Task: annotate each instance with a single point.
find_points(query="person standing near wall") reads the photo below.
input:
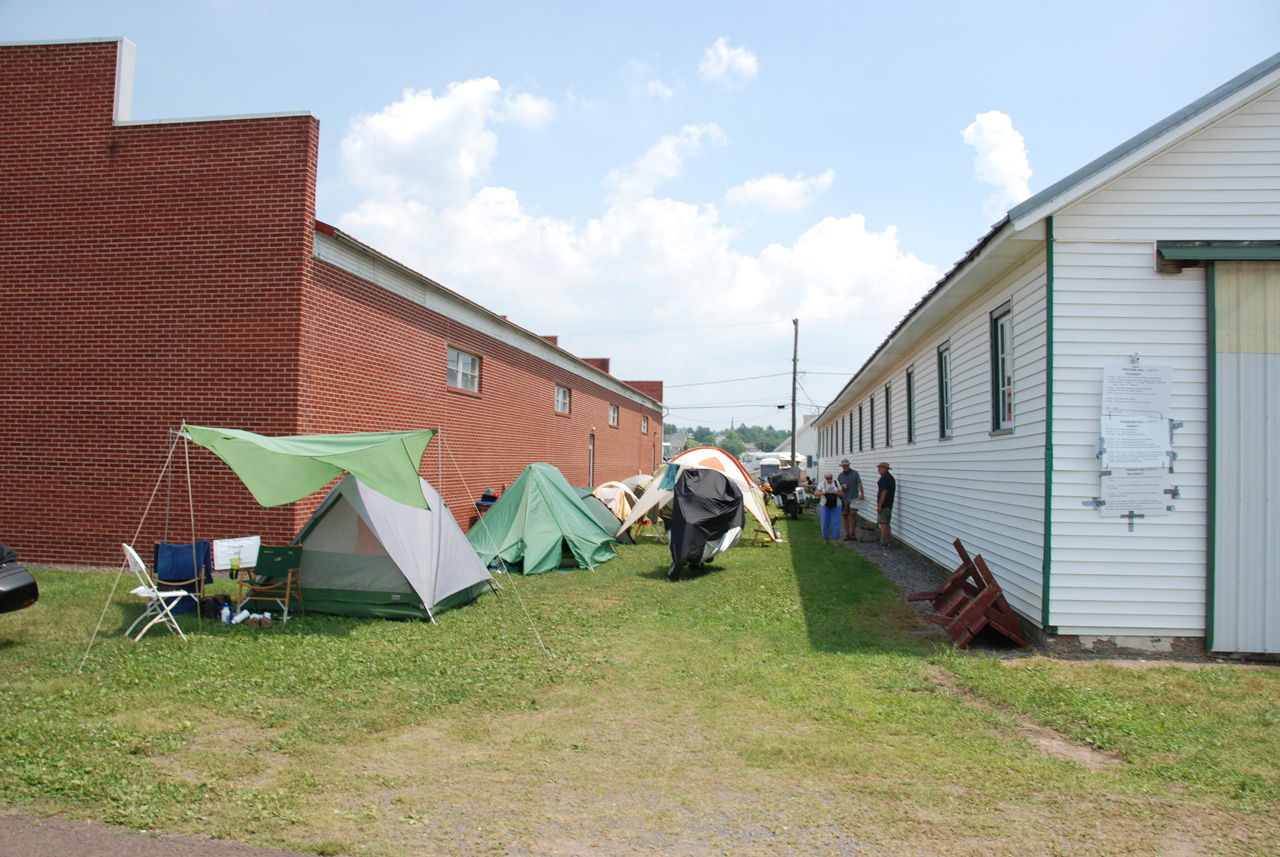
(852, 492)
(885, 489)
(828, 494)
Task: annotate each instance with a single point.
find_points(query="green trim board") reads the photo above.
(1211, 505)
(1046, 567)
(1209, 251)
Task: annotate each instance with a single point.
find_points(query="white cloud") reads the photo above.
(776, 192)
(644, 80)
(658, 285)
(664, 160)
(435, 149)
(658, 89)
(730, 66)
(1001, 160)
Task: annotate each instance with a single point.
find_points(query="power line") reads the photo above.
(726, 380)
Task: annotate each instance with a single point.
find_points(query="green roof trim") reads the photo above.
(1210, 251)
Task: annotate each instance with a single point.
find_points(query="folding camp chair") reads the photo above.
(158, 600)
(274, 578)
(188, 567)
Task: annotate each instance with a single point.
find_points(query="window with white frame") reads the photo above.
(911, 404)
(944, 390)
(613, 415)
(644, 425)
(888, 415)
(861, 433)
(464, 370)
(562, 399)
(871, 407)
(1002, 369)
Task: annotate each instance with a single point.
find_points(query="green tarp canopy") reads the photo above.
(535, 519)
(280, 470)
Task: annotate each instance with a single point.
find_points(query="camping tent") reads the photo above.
(533, 522)
(617, 496)
(280, 470)
(706, 518)
(365, 554)
(604, 517)
(660, 492)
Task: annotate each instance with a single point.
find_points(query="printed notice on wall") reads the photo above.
(1134, 440)
(1136, 491)
(1128, 388)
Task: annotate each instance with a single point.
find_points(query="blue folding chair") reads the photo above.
(188, 567)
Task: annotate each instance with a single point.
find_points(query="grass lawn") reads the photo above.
(787, 701)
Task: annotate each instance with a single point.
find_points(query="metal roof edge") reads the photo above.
(1020, 212)
(129, 123)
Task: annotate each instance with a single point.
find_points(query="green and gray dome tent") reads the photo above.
(535, 520)
(365, 554)
(382, 543)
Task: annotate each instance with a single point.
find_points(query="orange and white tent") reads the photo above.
(710, 458)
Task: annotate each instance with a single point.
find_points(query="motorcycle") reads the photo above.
(784, 484)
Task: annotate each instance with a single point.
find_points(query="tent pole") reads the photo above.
(156, 490)
(198, 574)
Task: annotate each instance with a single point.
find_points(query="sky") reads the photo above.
(670, 185)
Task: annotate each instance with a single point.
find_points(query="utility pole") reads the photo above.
(795, 358)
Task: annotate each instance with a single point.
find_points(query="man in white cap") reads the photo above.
(853, 493)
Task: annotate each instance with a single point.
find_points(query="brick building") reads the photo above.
(165, 271)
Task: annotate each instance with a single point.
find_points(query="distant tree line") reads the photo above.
(735, 440)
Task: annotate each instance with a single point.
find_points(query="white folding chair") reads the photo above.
(158, 600)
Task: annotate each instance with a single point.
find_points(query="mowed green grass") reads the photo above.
(787, 700)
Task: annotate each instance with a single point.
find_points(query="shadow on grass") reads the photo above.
(848, 605)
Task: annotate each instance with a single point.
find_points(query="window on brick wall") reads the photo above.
(613, 415)
(644, 425)
(562, 399)
(464, 370)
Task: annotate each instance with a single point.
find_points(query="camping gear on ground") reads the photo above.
(541, 524)
(273, 580)
(18, 588)
(188, 567)
(706, 519)
(784, 484)
(661, 491)
(366, 554)
(159, 602)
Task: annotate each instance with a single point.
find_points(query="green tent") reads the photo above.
(280, 470)
(535, 520)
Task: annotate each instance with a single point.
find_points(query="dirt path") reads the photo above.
(55, 837)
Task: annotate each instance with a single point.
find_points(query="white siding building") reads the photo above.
(1159, 258)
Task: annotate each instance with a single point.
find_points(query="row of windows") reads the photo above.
(463, 373)
(840, 437)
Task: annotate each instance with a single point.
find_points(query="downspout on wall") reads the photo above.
(1047, 559)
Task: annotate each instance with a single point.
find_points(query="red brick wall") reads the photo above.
(149, 274)
(375, 361)
(162, 273)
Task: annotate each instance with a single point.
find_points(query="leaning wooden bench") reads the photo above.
(969, 601)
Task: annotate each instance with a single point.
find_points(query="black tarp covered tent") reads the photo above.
(707, 517)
